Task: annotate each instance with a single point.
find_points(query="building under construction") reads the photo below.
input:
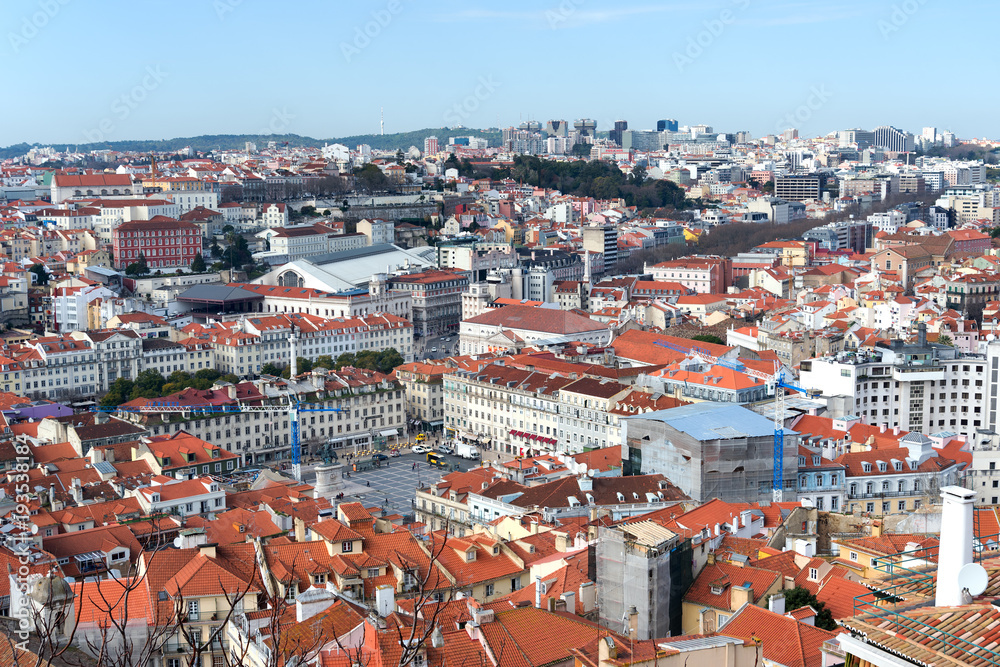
(643, 570)
(709, 450)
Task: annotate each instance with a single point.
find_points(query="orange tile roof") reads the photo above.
(784, 640)
(723, 576)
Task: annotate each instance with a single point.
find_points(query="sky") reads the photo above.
(80, 72)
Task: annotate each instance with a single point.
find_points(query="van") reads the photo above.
(436, 459)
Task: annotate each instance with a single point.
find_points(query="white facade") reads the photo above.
(187, 200)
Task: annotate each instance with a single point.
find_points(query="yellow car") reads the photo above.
(421, 437)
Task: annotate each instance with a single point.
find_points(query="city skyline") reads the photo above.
(220, 68)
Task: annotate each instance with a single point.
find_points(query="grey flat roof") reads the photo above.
(714, 421)
(218, 293)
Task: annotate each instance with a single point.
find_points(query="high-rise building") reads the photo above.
(530, 126)
(797, 188)
(669, 125)
(615, 134)
(862, 138)
(430, 145)
(557, 128)
(891, 139)
(602, 239)
(929, 134)
(586, 128)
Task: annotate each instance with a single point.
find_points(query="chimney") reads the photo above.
(895, 430)
(538, 592)
(587, 596)
(740, 595)
(876, 529)
(100, 418)
(882, 427)
(562, 542)
(312, 602)
(956, 543)
(777, 603)
(52, 496)
(633, 623)
(437, 637)
(570, 598)
(710, 560)
(385, 600)
(231, 391)
(207, 550)
(922, 334)
(607, 650)
(76, 490)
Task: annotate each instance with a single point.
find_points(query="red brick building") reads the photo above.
(165, 242)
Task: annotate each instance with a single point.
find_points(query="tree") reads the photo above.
(800, 597)
(370, 178)
(271, 368)
(709, 338)
(325, 361)
(198, 265)
(148, 384)
(638, 175)
(41, 275)
(945, 339)
(228, 229)
(139, 268)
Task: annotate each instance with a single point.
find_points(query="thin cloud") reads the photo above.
(565, 14)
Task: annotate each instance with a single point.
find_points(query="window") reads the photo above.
(489, 590)
(346, 546)
(854, 556)
(290, 592)
(470, 555)
(515, 583)
(193, 610)
(813, 573)
(901, 505)
(372, 572)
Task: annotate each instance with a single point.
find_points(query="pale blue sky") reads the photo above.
(110, 70)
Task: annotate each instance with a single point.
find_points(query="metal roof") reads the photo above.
(218, 293)
(685, 645)
(714, 421)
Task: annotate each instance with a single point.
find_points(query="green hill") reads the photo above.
(210, 142)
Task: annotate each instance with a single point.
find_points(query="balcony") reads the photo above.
(917, 373)
(883, 494)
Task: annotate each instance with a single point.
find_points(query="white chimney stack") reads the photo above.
(538, 592)
(570, 598)
(777, 603)
(956, 543)
(385, 600)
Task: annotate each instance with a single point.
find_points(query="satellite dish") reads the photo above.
(973, 577)
(177, 542)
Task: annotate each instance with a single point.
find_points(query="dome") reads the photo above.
(51, 589)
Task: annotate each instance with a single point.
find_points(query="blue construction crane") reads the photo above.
(777, 379)
(293, 409)
(778, 479)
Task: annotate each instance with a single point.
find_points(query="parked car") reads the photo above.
(421, 437)
(445, 448)
(420, 449)
(380, 457)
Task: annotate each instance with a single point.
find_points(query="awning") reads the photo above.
(388, 432)
(437, 423)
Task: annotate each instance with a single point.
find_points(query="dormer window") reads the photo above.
(898, 465)
(815, 460)
(802, 461)
(913, 465)
(881, 466)
(470, 555)
(813, 574)
(496, 549)
(866, 467)
(621, 498)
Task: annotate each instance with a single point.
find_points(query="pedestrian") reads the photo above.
(369, 483)
(414, 466)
